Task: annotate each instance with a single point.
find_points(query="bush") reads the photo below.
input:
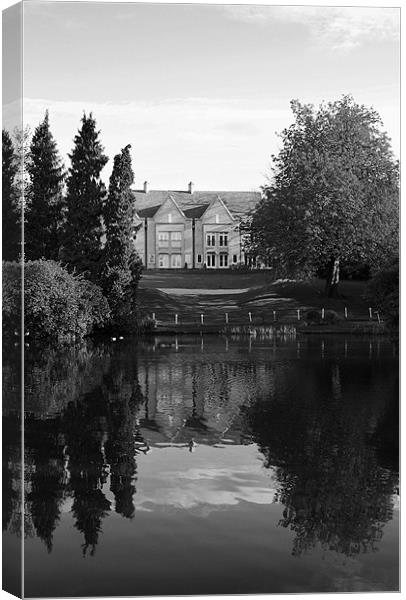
(383, 292)
(57, 304)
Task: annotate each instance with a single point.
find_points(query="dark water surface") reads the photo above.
(200, 466)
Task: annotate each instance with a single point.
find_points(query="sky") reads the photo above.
(201, 91)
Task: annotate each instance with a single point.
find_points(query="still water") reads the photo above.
(206, 465)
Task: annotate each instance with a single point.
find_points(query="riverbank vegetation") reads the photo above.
(81, 271)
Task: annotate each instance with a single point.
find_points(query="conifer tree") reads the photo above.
(122, 267)
(85, 198)
(11, 213)
(44, 211)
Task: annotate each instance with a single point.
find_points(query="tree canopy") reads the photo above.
(11, 224)
(44, 210)
(121, 264)
(333, 192)
(86, 193)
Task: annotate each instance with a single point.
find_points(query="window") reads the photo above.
(169, 217)
(163, 261)
(223, 239)
(211, 239)
(163, 238)
(211, 260)
(217, 219)
(176, 239)
(223, 260)
(187, 259)
(199, 258)
(176, 261)
(235, 258)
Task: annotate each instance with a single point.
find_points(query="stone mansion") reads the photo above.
(191, 229)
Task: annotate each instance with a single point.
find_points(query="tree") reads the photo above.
(121, 265)
(82, 248)
(44, 212)
(333, 195)
(11, 213)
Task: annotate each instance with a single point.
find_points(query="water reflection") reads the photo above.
(323, 415)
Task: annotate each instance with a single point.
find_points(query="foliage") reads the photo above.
(82, 248)
(383, 292)
(43, 214)
(121, 265)
(334, 191)
(57, 304)
(11, 227)
(22, 151)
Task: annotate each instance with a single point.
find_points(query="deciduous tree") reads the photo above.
(333, 193)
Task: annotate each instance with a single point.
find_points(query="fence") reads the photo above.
(239, 318)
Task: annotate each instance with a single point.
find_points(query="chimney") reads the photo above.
(146, 187)
(190, 187)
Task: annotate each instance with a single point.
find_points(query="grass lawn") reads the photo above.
(262, 299)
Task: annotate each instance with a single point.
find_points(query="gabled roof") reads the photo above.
(148, 212)
(194, 205)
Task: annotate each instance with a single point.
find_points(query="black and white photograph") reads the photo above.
(200, 299)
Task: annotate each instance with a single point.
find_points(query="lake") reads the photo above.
(205, 465)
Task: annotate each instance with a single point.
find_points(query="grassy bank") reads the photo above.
(251, 299)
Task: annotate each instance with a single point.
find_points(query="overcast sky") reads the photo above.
(200, 90)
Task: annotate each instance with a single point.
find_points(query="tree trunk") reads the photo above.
(333, 278)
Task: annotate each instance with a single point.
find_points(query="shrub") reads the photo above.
(57, 304)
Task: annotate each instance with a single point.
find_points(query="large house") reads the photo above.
(191, 229)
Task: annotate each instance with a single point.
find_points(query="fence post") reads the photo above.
(322, 314)
(227, 318)
(274, 315)
(345, 312)
(377, 314)
(176, 319)
(202, 318)
(370, 312)
(298, 314)
(250, 317)
(153, 316)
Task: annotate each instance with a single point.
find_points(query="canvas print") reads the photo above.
(200, 299)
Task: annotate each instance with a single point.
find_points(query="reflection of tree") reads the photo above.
(84, 429)
(334, 490)
(46, 490)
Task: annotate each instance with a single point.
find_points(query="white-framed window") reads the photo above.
(217, 219)
(163, 261)
(223, 260)
(176, 261)
(211, 239)
(223, 239)
(211, 260)
(163, 238)
(169, 217)
(176, 239)
(199, 258)
(235, 258)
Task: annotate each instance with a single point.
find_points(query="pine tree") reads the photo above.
(44, 211)
(122, 266)
(85, 198)
(11, 213)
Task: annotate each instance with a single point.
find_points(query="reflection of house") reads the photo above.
(194, 229)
